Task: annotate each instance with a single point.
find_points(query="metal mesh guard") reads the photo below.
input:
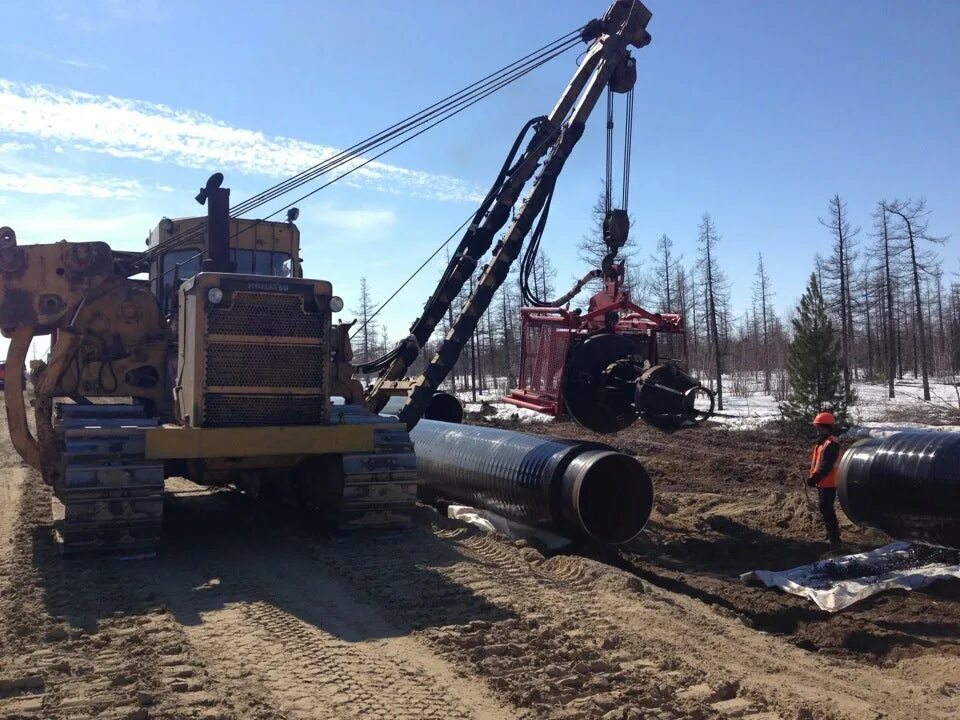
(262, 365)
(545, 350)
(272, 314)
(223, 410)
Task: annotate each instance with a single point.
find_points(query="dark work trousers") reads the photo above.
(828, 497)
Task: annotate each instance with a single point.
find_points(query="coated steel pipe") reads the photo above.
(567, 485)
(444, 407)
(907, 485)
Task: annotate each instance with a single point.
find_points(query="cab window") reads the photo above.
(262, 262)
(177, 266)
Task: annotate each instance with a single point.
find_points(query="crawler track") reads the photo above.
(111, 497)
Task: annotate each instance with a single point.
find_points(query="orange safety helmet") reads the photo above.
(825, 418)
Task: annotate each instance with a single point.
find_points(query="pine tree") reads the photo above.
(815, 363)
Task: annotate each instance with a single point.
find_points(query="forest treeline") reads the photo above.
(894, 306)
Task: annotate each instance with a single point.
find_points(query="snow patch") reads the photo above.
(874, 414)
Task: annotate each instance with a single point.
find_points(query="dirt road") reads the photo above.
(247, 615)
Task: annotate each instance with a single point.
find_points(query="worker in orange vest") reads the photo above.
(823, 472)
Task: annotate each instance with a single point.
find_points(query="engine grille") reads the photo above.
(264, 365)
(222, 410)
(267, 370)
(271, 314)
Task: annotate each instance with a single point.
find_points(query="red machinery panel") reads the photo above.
(548, 334)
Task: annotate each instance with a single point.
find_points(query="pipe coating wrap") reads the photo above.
(907, 485)
(566, 485)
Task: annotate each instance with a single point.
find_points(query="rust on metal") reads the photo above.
(13, 388)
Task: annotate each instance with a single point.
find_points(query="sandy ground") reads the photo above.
(249, 614)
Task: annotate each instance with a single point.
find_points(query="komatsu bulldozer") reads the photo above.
(209, 355)
(220, 377)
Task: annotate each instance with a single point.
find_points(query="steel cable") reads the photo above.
(445, 109)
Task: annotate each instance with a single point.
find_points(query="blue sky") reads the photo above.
(113, 113)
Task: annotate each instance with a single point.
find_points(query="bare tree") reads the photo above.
(942, 338)
(887, 252)
(865, 286)
(839, 270)
(664, 270)
(544, 274)
(714, 289)
(368, 325)
(913, 217)
(762, 295)
(508, 328)
(818, 264)
(696, 362)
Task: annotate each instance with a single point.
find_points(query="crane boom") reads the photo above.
(622, 26)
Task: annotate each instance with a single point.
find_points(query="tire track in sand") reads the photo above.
(532, 637)
(78, 638)
(263, 614)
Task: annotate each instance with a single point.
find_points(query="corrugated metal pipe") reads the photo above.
(907, 485)
(574, 487)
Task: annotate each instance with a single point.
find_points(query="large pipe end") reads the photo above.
(607, 495)
(905, 485)
(445, 408)
(850, 473)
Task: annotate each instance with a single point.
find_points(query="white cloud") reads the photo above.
(71, 185)
(49, 57)
(86, 65)
(136, 129)
(14, 147)
(356, 222)
(49, 218)
(90, 15)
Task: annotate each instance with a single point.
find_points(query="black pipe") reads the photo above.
(906, 485)
(567, 485)
(443, 407)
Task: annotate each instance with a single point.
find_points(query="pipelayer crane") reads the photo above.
(221, 366)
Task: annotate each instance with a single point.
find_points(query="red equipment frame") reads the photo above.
(547, 334)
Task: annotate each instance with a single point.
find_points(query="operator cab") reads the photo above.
(256, 248)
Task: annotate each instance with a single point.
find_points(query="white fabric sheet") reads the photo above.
(839, 582)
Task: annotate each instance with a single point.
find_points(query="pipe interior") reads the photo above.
(615, 496)
(445, 408)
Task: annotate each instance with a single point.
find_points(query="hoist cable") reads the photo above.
(627, 149)
(407, 122)
(384, 152)
(608, 178)
(375, 364)
(446, 108)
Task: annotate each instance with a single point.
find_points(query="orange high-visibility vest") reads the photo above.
(830, 479)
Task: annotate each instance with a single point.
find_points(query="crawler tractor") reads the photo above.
(222, 374)
(222, 365)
